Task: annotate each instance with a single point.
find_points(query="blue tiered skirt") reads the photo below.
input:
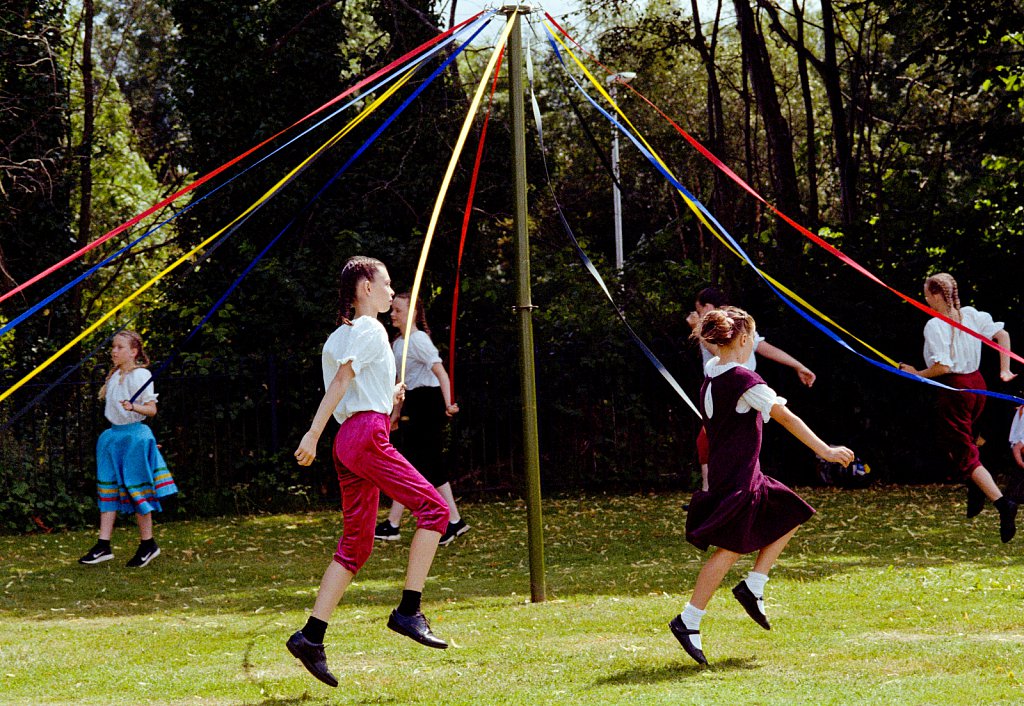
(131, 474)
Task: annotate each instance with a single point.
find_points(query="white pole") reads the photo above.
(613, 81)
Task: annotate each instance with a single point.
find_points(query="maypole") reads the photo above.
(524, 308)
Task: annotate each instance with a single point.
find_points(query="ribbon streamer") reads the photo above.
(589, 265)
(173, 197)
(463, 133)
(9, 326)
(366, 145)
(706, 216)
(817, 240)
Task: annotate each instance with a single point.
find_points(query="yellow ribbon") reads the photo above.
(700, 215)
(267, 195)
(463, 134)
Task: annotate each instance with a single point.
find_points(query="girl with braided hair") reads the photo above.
(359, 377)
(742, 511)
(953, 358)
(131, 474)
(421, 417)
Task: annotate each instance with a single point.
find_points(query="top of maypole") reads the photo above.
(521, 8)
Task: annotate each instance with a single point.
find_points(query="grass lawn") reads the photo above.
(887, 596)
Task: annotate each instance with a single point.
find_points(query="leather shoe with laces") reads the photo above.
(415, 626)
(682, 633)
(750, 603)
(313, 658)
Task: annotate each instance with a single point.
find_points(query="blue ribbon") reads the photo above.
(9, 326)
(792, 305)
(366, 145)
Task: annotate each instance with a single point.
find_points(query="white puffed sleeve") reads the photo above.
(367, 344)
(422, 349)
(138, 378)
(759, 397)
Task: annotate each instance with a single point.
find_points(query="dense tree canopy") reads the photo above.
(891, 128)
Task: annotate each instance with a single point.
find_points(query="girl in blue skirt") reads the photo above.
(742, 511)
(131, 474)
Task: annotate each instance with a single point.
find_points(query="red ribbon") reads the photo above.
(465, 226)
(202, 180)
(799, 228)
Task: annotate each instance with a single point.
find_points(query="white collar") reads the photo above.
(714, 367)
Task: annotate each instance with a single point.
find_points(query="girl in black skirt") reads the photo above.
(743, 510)
(421, 418)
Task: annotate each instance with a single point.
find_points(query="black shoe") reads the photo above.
(750, 602)
(975, 500)
(682, 634)
(416, 627)
(143, 557)
(455, 529)
(387, 531)
(97, 555)
(1007, 519)
(312, 657)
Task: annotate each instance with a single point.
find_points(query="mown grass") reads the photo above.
(888, 596)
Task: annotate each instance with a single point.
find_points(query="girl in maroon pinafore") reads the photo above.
(743, 510)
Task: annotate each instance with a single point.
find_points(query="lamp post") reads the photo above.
(613, 81)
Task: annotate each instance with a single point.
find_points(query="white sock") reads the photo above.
(756, 582)
(691, 619)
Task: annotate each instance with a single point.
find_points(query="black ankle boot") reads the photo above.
(1007, 518)
(975, 500)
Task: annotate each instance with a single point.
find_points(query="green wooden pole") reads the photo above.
(524, 309)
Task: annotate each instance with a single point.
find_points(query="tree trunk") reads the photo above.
(840, 131)
(777, 132)
(811, 140)
(723, 196)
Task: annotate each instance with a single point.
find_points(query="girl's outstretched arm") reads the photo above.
(775, 353)
(306, 452)
(796, 426)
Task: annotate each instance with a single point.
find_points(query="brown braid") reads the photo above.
(944, 284)
(421, 316)
(719, 327)
(356, 269)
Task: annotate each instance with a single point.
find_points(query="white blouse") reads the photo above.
(1017, 427)
(964, 355)
(365, 345)
(750, 365)
(121, 386)
(423, 356)
(759, 397)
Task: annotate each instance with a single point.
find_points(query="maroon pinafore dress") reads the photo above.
(743, 510)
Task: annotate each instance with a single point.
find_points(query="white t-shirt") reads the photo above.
(1017, 427)
(964, 356)
(750, 365)
(122, 387)
(423, 356)
(365, 345)
(759, 397)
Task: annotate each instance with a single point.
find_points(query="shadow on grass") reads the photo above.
(653, 674)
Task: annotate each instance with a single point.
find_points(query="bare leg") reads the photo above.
(145, 523)
(446, 493)
(395, 514)
(421, 556)
(107, 524)
(332, 587)
(704, 477)
(983, 479)
(711, 575)
(766, 557)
